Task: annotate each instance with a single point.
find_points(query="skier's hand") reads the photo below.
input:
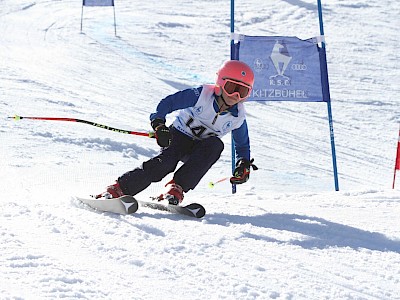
(242, 171)
(163, 136)
(162, 133)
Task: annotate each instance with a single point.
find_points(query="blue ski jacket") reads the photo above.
(199, 117)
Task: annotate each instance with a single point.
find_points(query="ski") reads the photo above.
(124, 205)
(192, 210)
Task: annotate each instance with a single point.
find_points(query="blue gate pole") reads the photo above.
(232, 57)
(335, 172)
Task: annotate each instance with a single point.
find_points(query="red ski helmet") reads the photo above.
(236, 71)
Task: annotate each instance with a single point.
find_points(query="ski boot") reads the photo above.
(112, 191)
(174, 195)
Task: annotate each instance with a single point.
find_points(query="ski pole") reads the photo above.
(148, 134)
(212, 184)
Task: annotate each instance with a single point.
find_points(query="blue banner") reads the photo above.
(285, 68)
(98, 2)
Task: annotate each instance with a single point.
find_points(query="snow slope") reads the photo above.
(286, 234)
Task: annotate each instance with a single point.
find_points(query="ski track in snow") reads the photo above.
(286, 234)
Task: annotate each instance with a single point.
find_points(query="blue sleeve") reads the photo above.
(179, 100)
(242, 141)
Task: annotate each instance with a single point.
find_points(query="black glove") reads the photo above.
(242, 171)
(162, 133)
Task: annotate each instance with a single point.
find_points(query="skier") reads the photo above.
(206, 114)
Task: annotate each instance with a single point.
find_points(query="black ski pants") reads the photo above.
(197, 156)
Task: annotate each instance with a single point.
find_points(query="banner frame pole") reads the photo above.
(115, 22)
(233, 151)
(329, 106)
(82, 16)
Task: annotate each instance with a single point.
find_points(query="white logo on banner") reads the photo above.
(299, 67)
(259, 65)
(280, 58)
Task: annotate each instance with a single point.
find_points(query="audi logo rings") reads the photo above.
(299, 67)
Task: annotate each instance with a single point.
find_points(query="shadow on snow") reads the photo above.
(321, 233)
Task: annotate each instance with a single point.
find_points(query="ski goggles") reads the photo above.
(232, 87)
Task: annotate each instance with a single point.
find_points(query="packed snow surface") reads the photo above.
(285, 234)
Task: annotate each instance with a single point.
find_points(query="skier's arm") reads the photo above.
(242, 142)
(179, 100)
(243, 163)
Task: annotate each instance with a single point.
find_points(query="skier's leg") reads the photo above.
(157, 168)
(205, 153)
